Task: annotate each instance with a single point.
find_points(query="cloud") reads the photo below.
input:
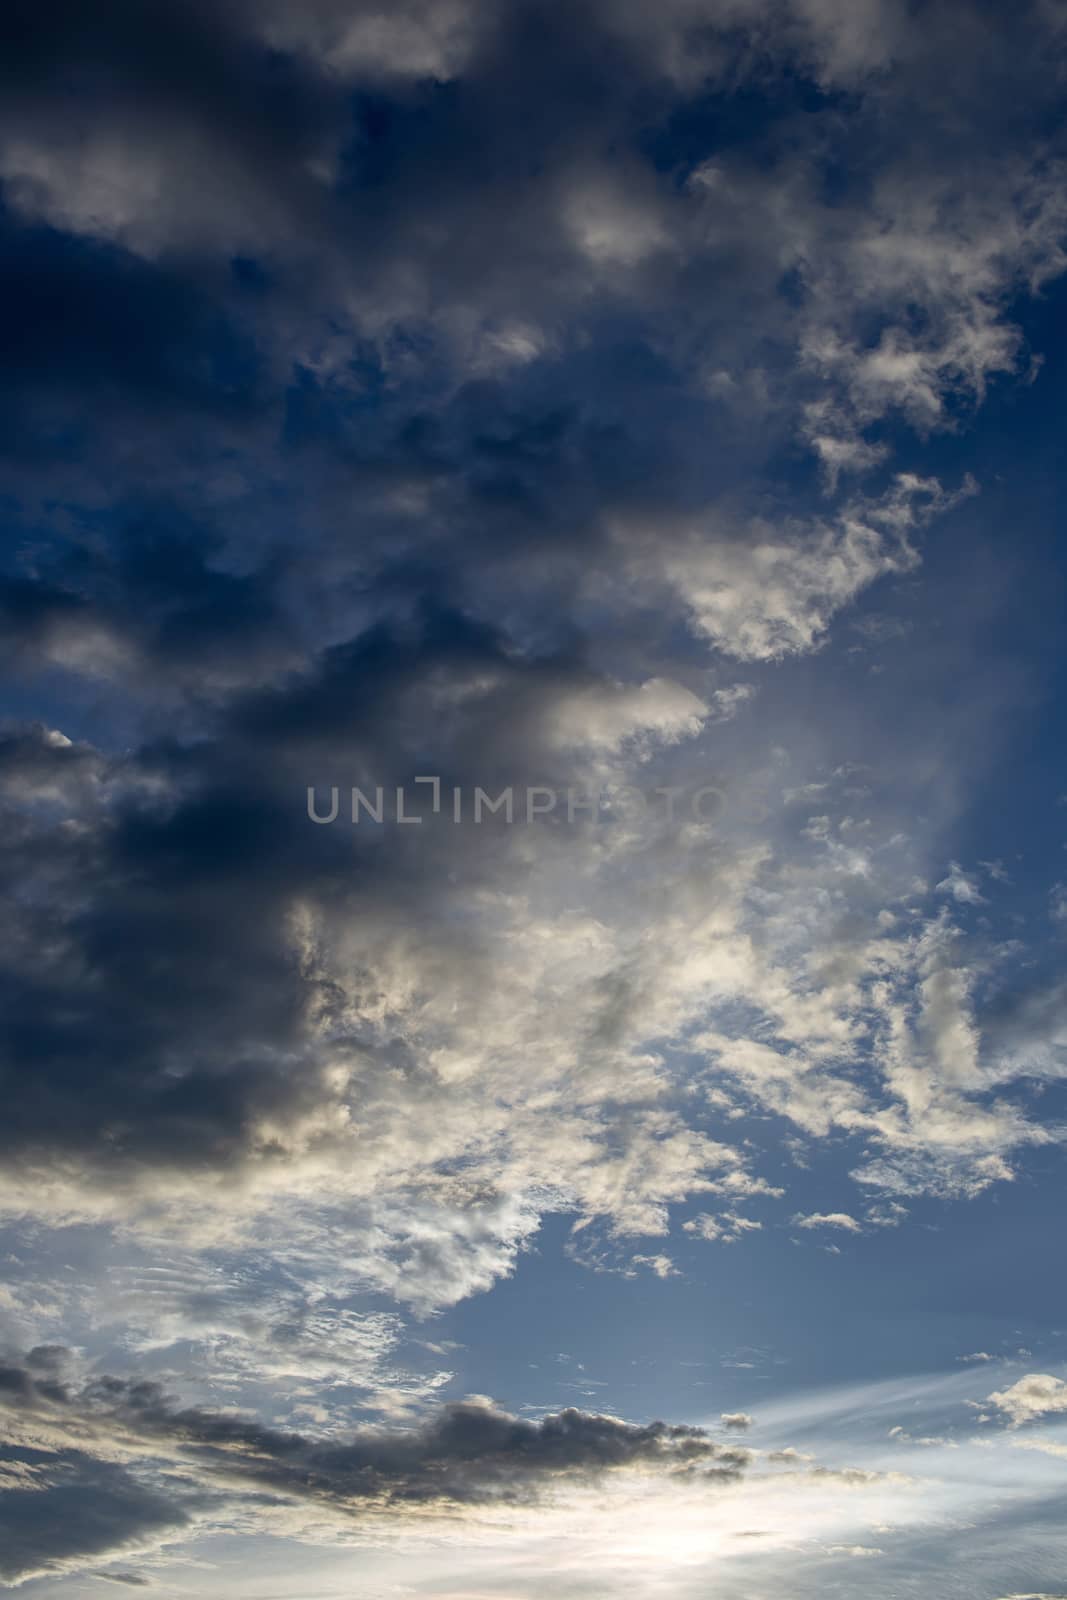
(728, 1227)
(828, 1219)
(960, 886)
(466, 1467)
(1036, 1395)
(110, 1497)
(661, 1265)
(70, 1507)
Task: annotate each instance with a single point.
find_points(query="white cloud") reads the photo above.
(1036, 1395)
(960, 886)
(828, 1219)
(726, 1228)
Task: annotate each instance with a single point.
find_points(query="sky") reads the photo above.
(534, 1059)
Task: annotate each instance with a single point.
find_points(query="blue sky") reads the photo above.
(624, 445)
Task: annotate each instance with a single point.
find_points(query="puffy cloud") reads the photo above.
(960, 886)
(828, 1219)
(1037, 1395)
(728, 1227)
(607, 715)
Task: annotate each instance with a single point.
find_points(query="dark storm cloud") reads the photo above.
(144, 1466)
(148, 612)
(77, 315)
(469, 1452)
(411, 154)
(412, 164)
(156, 1009)
(486, 422)
(146, 931)
(194, 61)
(76, 1508)
(466, 196)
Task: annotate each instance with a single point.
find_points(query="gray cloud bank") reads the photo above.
(147, 1467)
